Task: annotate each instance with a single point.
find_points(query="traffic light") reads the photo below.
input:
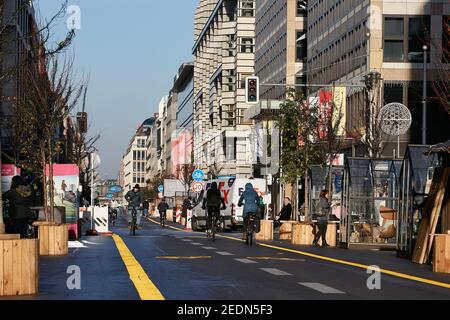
(252, 90)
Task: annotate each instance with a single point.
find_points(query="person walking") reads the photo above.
(250, 200)
(19, 197)
(135, 201)
(146, 207)
(187, 205)
(322, 219)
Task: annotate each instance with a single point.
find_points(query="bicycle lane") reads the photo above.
(324, 271)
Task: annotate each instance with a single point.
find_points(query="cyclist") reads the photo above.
(162, 208)
(135, 201)
(250, 200)
(212, 203)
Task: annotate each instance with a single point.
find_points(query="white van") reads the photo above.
(231, 189)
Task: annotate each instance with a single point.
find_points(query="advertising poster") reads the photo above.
(8, 172)
(66, 182)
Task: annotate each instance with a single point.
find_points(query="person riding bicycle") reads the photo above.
(162, 208)
(250, 200)
(135, 201)
(212, 203)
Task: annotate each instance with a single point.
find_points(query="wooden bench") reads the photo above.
(286, 229)
(303, 234)
(53, 239)
(441, 259)
(266, 232)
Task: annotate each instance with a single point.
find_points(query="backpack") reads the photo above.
(213, 198)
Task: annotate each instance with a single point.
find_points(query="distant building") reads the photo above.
(152, 159)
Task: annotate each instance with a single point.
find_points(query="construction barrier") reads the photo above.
(189, 220)
(101, 219)
(178, 216)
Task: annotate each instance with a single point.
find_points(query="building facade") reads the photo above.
(224, 53)
(349, 40)
(152, 161)
(17, 50)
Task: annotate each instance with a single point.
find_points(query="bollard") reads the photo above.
(189, 221)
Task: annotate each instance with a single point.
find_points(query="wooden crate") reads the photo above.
(266, 232)
(54, 240)
(286, 230)
(19, 267)
(303, 234)
(441, 259)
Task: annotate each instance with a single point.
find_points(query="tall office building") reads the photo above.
(347, 40)
(280, 45)
(224, 57)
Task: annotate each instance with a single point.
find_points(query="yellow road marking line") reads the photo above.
(276, 259)
(185, 258)
(348, 263)
(144, 286)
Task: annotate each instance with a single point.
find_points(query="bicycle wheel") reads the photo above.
(213, 229)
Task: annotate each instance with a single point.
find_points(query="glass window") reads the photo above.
(393, 50)
(393, 27)
(446, 39)
(418, 36)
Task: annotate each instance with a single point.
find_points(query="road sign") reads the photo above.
(161, 189)
(198, 175)
(109, 196)
(197, 187)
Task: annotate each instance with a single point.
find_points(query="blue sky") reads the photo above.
(131, 50)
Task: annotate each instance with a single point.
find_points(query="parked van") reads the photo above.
(231, 189)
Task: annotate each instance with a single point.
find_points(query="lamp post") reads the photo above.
(424, 98)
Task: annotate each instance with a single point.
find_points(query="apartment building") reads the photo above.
(162, 133)
(349, 39)
(134, 161)
(152, 161)
(224, 52)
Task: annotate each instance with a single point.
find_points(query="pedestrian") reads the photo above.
(63, 190)
(187, 205)
(250, 200)
(212, 203)
(135, 201)
(19, 197)
(323, 216)
(146, 207)
(285, 213)
(162, 208)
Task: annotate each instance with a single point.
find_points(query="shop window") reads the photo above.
(446, 39)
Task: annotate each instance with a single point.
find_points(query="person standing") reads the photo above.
(322, 219)
(19, 206)
(63, 190)
(187, 205)
(135, 201)
(145, 207)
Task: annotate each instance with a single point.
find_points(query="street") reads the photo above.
(179, 265)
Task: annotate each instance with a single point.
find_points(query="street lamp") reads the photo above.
(424, 98)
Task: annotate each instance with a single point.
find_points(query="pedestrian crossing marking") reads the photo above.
(144, 286)
(276, 272)
(321, 288)
(276, 259)
(184, 258)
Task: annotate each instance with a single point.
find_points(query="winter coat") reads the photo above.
(163, 207)
(19, 203)
(250, 200)
(186, 206)
(324, 210)
(286, 213)
(134, 198)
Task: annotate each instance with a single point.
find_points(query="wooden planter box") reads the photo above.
(303, 234)
(19, 267)
(266, 232)
(441, 259)
(169, 215)
(286, 230)
(53, 239)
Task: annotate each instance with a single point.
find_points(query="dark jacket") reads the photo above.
(213, 197)
(187, 205)
(286, 213)
(324, 209)
(134, 198)
(146, 205)
(19, 203)
(163, 206)
(250, 200)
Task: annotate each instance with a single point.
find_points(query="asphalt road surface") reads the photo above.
(172, 264)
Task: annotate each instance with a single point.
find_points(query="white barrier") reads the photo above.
(101, 219)
(189, 220)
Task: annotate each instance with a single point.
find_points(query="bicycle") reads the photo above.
(32, 231)
(113, 217)
(162, 219)
(133, 223)
(251, 226)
